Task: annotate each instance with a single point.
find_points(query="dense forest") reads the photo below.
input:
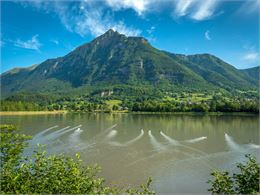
(143, 101)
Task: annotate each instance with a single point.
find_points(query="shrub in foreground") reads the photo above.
(49, 174)
(246, 181)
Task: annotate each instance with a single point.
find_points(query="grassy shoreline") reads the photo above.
(7, 113)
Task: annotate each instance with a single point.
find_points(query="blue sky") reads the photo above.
(36, 30)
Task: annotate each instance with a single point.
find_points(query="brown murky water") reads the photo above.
(177, 151)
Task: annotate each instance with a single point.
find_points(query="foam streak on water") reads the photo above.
(155, 143)
(254, 146)
(170, 140)
(136, 138)
(58, 134)
(112, 134)
(177, 143)
(103, 132)
(232, 144)
(54, 135)
(60, 130)
(45, 131)
(129, 142)
(195, 140)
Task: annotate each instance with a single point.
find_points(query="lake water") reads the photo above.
(177, 151)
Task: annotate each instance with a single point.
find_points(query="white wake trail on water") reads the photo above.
(73, 143)
(232, 144)
(136, 138)
(177, 143)
(58, 131)
(94, 140)
(155, 143)
(111, 134)
(74, 140)
(41, 138)
(61, 132)
(45, 131)
(103, 132)
(170, 140)
(129, 142)
(53, 137)
(78, 131)
(107, 130)
(195, 140)
(254, 146)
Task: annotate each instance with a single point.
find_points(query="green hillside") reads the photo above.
(253, 73)
(124, 64)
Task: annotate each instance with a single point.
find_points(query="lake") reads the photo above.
(177, 150)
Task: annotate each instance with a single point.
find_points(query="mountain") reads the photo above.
(115, 59)
(216, 71)
(253, 73)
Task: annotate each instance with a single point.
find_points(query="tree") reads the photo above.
(115, 107)
(12, 145)
(244, 182)
(53, 174)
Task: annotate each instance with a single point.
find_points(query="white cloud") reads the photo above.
(84, 17)
(251, 56)
(181, 7)
(195, 9)
(138, 5)
(96, 16)
(97, 23)
(207, 36)
(206, 9)
(32, 43)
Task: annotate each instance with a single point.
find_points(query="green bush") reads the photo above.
(244, 182)
(49, 174)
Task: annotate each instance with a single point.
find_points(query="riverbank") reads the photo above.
(10, 113)
(169, 113)
(7, 113)
(199, 113)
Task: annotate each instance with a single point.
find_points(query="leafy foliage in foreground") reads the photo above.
(11, 145)
(244, 182)
(53, 174)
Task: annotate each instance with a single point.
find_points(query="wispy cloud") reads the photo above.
(195, 9)
(182, 7)
(206, 9)
(96, 16)
(249, 7)
(253, 56)
(207, 35)
(87, 17)
(32, 43)
(96, 21)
